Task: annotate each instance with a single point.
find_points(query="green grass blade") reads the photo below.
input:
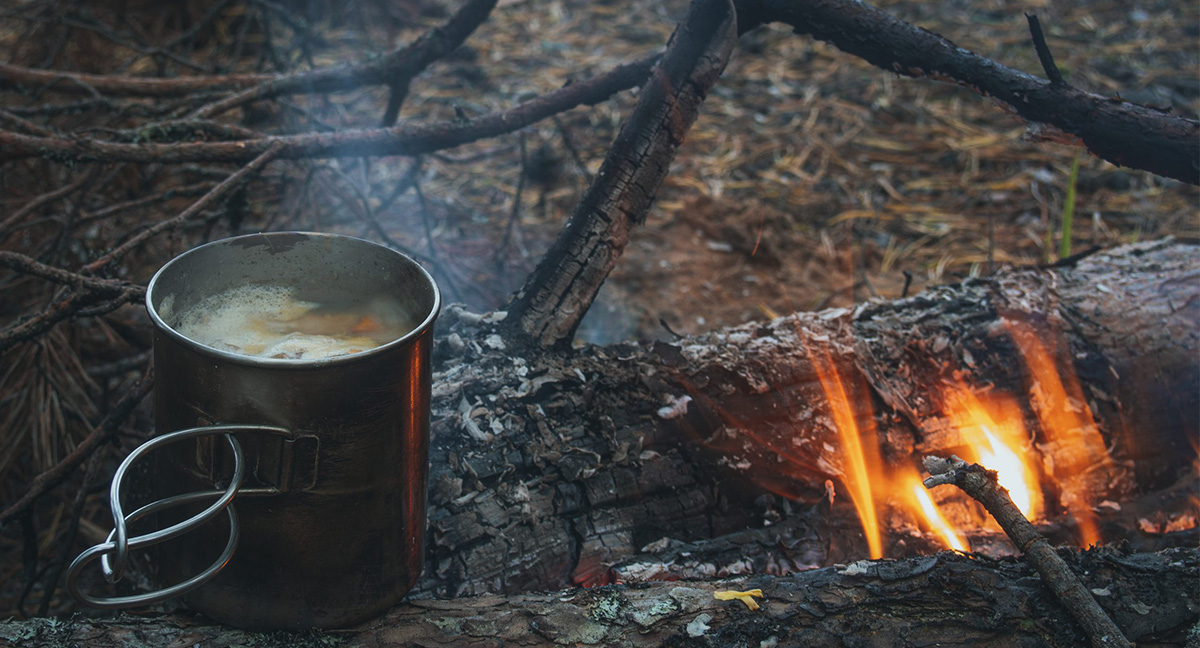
(1068, 215)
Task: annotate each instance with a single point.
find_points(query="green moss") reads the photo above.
(607, 608)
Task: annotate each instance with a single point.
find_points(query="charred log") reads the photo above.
(947, 600)
(548, 469)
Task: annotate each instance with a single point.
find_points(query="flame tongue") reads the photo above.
(995, 438)
(1075, 442)
(861, 460)
(944, 530)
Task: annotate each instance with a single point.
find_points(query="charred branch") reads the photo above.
(1115, 130)
(548, 309)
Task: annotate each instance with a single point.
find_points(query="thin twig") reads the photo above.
(45, 198)
(396, 68)
(66, 545)
(229, 184)
(398, 140)
(981, 484)
(30, 266)
(1043, 50)
(515, 214)
(17, 122)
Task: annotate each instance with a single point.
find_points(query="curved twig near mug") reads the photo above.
(325, 458)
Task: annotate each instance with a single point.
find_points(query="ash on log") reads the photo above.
(548, 469)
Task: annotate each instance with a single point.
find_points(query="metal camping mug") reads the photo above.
(324, 460)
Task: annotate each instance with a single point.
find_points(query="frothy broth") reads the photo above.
(270, 322)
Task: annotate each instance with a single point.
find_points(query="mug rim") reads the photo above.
(420, 329)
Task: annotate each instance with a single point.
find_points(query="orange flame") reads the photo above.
(1067, 424)
(933, 517)
(996, 439)
(861, 460)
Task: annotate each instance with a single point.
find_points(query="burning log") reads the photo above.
(982, 485)
(549, 470)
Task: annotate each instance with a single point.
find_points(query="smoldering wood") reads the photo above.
(983, 485)
(945, 599)
(548, 468)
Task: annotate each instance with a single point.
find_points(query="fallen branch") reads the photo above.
(1112, 129)
(390, 68)
(557, 294)
(397, 140)
(982, 485)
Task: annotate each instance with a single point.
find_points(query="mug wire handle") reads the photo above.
(114, 551)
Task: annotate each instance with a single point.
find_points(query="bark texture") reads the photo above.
(547, 469)
(1113, 129)
(944, 600)
(548, 309)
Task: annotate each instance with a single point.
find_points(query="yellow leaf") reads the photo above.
(746, 597)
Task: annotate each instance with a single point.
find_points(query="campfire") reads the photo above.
(1005, 455)
(1041, 440)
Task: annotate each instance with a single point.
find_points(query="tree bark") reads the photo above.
(1112, 129)
(945, 600)
(547, 469)
(557, 294)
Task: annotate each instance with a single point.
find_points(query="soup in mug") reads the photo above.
(270, 322)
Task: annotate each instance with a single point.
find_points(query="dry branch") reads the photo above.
(1112, 129)
(396, 68)
(397, 140)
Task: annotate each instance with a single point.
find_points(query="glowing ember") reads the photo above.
(998, 442)
(860, 461)
(1067, 425)
(933, 517)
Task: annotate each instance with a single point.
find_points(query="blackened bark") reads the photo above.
(555, 297)
(944, 600)
(1115, 130)
(550, 468)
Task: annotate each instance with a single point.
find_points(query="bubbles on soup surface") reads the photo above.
(270, 322)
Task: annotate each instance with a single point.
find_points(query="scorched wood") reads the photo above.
(550, 468)
(943, 600)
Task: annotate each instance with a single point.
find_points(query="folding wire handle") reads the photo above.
(114, 551)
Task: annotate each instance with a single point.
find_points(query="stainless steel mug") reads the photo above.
(291, 492)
